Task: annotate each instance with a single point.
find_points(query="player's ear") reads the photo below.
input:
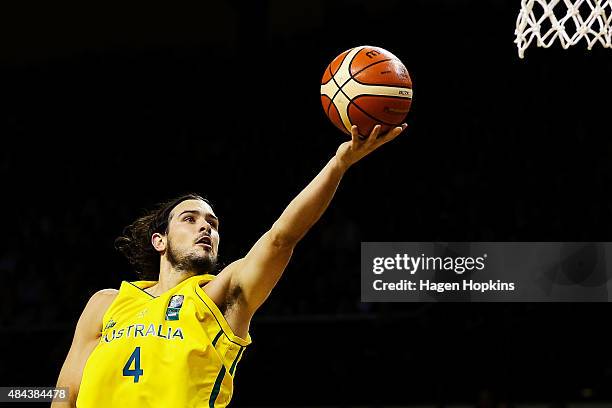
(159, 242)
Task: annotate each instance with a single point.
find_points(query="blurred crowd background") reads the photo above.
(110, 109)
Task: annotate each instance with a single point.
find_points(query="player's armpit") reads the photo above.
(86, 336)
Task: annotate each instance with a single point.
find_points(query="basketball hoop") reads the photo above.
(587, 20)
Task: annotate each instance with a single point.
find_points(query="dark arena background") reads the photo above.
(110, 108)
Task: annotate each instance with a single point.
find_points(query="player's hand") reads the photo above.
(351, 152)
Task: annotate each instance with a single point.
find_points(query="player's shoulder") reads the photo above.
(102, 298)
(107, 292)
(90, 322)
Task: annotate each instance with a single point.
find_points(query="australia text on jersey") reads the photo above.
(139, 330)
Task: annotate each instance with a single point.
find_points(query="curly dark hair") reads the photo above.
(135, 242)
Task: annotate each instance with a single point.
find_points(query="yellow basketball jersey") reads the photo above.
(175, 350)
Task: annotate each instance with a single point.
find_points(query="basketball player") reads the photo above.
(175, 338)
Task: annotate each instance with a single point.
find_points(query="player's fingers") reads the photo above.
(374, 134)
(355, 134)
(398, 130)
(393, 133)
(390, 135)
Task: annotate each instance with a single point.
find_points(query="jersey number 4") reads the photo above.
(137, 371)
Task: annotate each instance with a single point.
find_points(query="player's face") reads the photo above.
(193, 236)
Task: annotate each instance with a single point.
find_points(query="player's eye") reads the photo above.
(189, 219)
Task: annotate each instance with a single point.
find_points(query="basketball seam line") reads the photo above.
(339, 89)
(366, 113)
(382, 96)
(350, 77)
(362, 69)
(388, 86)
(348, 113)
(332, 99)
(333, 76)
(329, 66)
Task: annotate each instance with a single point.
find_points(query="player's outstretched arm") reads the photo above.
(86, 336)
(257, 273)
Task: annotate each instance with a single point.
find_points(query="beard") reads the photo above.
(191, 262)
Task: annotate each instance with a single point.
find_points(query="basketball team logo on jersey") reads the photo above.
(174, 306)
(111, 323)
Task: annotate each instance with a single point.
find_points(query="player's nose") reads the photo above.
(205, 227)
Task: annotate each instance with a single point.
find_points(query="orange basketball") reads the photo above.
(366, 86)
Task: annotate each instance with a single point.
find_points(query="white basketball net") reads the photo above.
(570, 21)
